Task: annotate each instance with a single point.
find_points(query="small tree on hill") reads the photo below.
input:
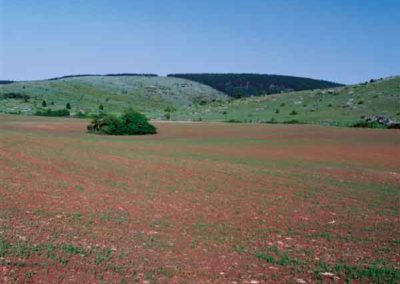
(101, 107)
(44, 104)
(68, 106)
(168, 110)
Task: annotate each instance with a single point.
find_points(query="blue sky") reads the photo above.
(346, 41)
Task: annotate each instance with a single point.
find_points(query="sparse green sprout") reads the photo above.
(266, 257)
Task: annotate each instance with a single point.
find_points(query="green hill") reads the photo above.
(193, 101)
(337, 106)
(245, 85)
(147, 94)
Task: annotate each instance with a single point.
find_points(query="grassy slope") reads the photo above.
(339, 106)
(147, 94)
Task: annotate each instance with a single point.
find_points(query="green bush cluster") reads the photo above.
(16, 96)
(129, 123)
(50, 112)
(81, 114)
(375, 124)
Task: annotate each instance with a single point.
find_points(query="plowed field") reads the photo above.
(198, 203)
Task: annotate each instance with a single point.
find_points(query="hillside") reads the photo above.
(193, 101)
(245, 85)
(338, 106)
(147, 94)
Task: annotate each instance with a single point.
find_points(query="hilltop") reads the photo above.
(85, 93)
(335, 106)
(245, 85)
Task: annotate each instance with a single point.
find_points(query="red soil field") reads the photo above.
(198, 203)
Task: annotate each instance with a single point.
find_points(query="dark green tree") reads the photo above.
(168, 110)
(129, 123)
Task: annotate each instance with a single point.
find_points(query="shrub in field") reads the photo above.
(81, 114)
(376, 124)
(367, 124)
(16, 96)
(292, 121)
(44, 104)
(49, 112)
(68, 106)
(293, 112)
(395, 125)
(129, 123)
(377, 121)
(136, 123)
(233, 120)
(106, 124)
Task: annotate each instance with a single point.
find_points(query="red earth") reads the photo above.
(198, 202)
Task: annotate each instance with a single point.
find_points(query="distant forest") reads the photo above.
(245, 85)
(106, 75)
(3, 82)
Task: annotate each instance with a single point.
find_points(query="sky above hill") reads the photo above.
(346, 41)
